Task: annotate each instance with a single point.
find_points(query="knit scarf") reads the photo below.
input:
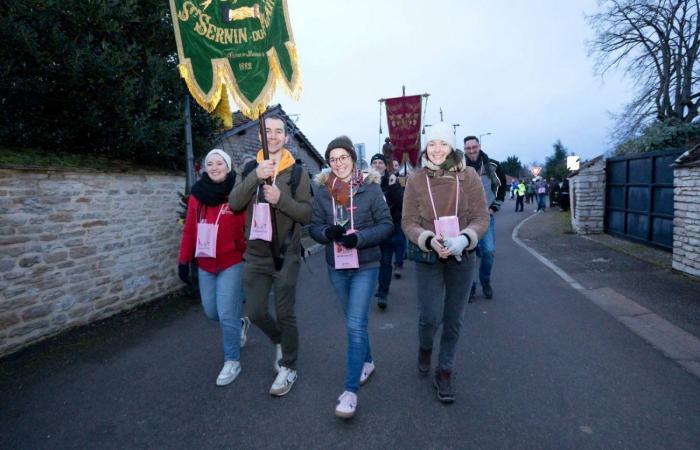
(453, 163)
(211, 193)
(286, 161)
(341, 190)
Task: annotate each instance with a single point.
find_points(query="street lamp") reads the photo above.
(454, 126)
(484, 134)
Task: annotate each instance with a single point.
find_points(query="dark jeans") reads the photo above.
(443, 290)
(259, 277)
(541, 202)
(519, 203)
(392, 248)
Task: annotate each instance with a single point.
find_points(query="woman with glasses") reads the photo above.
(351, 217)
(444, 216)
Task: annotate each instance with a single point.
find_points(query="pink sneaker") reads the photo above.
(347, 403)
(367, 370)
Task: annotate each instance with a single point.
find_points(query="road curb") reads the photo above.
(671, 340)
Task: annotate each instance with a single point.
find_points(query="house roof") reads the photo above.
(586, 164)
(242, 123)
(689, 158)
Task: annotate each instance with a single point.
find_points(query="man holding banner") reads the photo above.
(287, 201)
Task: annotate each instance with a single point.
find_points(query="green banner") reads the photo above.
(241, 46)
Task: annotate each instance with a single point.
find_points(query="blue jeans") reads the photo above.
(442, 291)
(354, 288)
(221, 300)
(541, 202)
(485, 250)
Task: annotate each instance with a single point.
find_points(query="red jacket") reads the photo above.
(230, 238)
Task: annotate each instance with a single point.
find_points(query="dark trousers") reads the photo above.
(392, 247)
(442, 291)
(259, 278)
(519, 203)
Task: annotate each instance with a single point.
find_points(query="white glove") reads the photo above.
(456, 245)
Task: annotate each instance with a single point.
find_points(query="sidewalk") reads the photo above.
(636, 277)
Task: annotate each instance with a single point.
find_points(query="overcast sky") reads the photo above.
(518, 70)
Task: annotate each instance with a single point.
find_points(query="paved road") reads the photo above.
(538, 367)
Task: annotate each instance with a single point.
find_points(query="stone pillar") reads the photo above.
(587, 190)
(686, 212)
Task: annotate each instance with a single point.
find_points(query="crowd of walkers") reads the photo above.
(243, 229)
(537, 191)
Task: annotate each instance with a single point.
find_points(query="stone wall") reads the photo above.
(80, 246)
(587, 189)
(686, 217)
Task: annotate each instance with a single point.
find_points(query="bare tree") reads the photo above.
(657, 43)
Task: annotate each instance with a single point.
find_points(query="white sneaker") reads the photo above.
(347, 403)
(284, 381)
(278, 357)
(367, 370)
(245, 325)
(228, 373)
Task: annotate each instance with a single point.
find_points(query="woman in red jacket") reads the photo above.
(213, 234)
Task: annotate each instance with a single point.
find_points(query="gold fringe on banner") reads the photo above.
(216, 100)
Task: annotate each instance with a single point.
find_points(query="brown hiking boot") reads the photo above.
(424, 356)
(443, 384)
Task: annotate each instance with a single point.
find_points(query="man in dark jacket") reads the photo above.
(494, 182)
(263, 271)
(393, 193)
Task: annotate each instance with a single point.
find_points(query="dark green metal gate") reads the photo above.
(639, 197)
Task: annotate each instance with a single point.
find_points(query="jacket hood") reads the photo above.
(372, 176)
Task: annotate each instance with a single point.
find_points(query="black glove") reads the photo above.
(183, 271)
(348, 240)
(334, 232)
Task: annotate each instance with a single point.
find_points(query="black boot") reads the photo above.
(443, 384)
(424, 356)
(472, 294)
(486, 288)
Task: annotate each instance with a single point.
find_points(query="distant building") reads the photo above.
(242, 140)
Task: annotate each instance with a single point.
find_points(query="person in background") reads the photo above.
(364, 221)
(564, 195)
(520, 191)
(494, 182)
(443, 190)
(553, 192)
(530, 193)
(219, 264)
(541, 187)
(393, 193)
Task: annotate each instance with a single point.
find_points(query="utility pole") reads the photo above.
(454, 126)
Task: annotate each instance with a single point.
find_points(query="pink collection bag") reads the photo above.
(445, 226)
(261, 223)
(206, 237)
(345, 258)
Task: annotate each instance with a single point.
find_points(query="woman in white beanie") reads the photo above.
(444, 216)
(213, 235)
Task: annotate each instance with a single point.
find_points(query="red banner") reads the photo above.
(403, 116)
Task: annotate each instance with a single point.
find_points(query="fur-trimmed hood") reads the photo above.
(372, 176)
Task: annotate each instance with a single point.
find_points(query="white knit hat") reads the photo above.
(223, 154)
(440, 131)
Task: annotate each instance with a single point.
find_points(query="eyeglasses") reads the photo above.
(339, 159)
(471, 147)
